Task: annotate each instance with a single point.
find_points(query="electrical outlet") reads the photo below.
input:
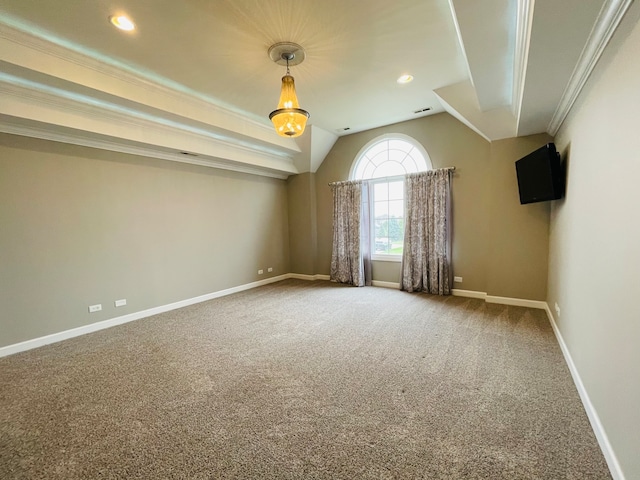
(270, 269)
(457, 279)
(260, 272)
(95, 308)
(557, 309)
(120, 303)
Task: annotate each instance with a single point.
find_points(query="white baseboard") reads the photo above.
(596, 425)
(456, 292)
(378, 283)
(302, 276)
(112, 322)
(518, 302)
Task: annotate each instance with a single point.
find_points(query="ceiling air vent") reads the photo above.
(422, 110)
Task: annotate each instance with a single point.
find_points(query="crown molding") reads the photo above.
(40, 94)
(524, 22)
(32, 109)
(603, 29)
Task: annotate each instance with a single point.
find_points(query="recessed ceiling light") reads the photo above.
(122, 22)
(405, 78)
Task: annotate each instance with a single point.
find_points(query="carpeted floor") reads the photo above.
(302, 380)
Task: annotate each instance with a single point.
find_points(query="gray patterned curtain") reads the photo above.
(426, 257)
(349, 229)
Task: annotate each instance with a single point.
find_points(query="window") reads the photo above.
(384, 161)
(388, 217)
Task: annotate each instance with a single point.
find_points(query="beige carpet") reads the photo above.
(302, 380)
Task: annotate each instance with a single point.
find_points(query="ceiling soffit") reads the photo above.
(44, 83)
(555, 47)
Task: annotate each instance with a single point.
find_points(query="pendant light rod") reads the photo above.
(288, 56)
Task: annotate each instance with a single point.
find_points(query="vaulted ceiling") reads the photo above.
(194, 83)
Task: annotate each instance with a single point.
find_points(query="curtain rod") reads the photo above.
(397, 176)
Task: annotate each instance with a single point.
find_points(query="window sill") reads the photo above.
(387, 258)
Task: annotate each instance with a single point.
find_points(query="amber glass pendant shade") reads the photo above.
(289, 119)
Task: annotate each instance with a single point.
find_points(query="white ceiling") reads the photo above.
(195, 76)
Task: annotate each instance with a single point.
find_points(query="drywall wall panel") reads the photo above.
(82, 226)
(595, 242)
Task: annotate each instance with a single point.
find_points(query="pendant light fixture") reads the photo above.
(289, 119)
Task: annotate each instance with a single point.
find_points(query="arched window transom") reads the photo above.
(390, 156)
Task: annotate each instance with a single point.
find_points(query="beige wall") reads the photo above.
(499, 246)
(518, 234)
(302, 223)
(82, 226)
(595, 242)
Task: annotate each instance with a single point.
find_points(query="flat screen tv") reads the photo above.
(540, 175)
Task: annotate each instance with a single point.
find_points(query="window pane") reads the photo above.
(396, 235)
(397, 155)
(396, 230)
(396, 209)
(419, 159)
(381, 235)
(379, 158)
(374, 150)
(368, 170)
(389, 169)
(381, 245)
(380, 191)
(402, 145)
(410, 165)
(359, 173)
(396, 190)
(381, 209)
(381, 227)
